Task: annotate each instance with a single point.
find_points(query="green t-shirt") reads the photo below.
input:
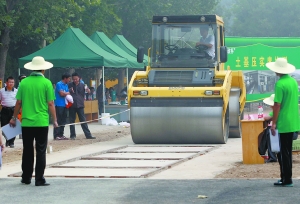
(286, 93)
(35, 92)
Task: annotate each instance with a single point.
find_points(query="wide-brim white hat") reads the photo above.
(270, 100)
(38, 63)
(281, 66)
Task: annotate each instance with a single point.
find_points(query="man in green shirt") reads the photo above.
(35, 96)
(285, 116)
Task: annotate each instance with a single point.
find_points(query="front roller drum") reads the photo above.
(158, 121)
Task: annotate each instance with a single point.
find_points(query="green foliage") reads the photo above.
(268, 18)
(137, 15)
(30, 22)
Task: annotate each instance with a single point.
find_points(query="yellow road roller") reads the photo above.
(184, 95)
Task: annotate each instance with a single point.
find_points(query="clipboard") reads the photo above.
(11, 132)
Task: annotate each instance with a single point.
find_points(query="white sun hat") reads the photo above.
(270, 100)
(38, 63)
(281, 66)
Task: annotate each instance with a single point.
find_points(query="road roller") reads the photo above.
(185, 95)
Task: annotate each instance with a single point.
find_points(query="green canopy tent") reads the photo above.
(74, 49)
(105, 43)
(121, 41)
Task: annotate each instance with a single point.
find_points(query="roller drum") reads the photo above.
(234, 113)
(158, 122)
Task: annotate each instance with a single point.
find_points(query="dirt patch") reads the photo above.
(267, 170)
(15, 154)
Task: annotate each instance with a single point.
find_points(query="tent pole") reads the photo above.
(127, 78)
(19, 71)
(127, 88)
(103, 87)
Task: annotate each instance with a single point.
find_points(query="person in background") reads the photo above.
(54, 86)
(21, 77)
(80, 80)
(107, 96)
(36, 97)
(99, 96)
(61, 91)
(270, 101)
(91, 94)
(77, 92)
(285, 116)
(8, 101)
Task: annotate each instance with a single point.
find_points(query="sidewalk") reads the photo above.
(68, 154)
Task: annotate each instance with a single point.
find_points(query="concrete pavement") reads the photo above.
(180, 184)
(131, 191)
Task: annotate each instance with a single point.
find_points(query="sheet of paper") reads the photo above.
(275, 143)
(0, 157)
(11, 132)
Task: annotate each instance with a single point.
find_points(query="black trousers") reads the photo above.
(81, 116)
(6, 115)
(61, 115)
(100, 107)
(285, 157)
(40, 135)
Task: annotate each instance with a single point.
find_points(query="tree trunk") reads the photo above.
(121, 76)
(4, 40)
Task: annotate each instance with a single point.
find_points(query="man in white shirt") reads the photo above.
(8, 102)
(207, 41)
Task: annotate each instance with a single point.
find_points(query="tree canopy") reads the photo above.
(268, 18)
(26, 26)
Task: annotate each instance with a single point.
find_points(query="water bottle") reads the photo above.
(260, 114)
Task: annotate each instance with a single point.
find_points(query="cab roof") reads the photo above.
(187, 19)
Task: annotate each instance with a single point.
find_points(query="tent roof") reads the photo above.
(121, 41)
(74, 49)
(269, 41)
(105, 43)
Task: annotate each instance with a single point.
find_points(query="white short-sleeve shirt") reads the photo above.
(8, 98)
(210, 39)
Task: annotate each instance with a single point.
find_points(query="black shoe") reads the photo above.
(278, 183)
(12, 145)
(271, 160)
(91, 137)
(42, 184)
(25, 181)
(72, 138)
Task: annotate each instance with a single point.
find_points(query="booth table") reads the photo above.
(250, 131)
(90, 110)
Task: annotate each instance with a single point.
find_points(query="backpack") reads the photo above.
(263, 141)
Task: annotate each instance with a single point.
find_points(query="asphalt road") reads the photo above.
(111, 191)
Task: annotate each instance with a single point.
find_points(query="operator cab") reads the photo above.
(187, 42)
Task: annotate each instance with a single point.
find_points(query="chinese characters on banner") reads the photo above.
(246, 62)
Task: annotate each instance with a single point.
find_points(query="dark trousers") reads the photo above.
(61, 115)
(81, 116)
(100, 107)
(285, 157)
(6, 115)
(40, 135)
